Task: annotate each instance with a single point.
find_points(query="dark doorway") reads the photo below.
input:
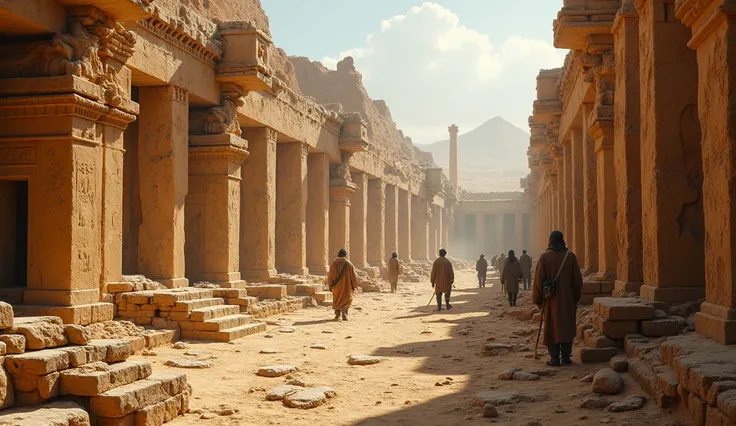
(13, 234)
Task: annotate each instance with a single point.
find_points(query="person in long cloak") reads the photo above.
(560, 309)
(526, 266)
(394, 270)
(481, 267)
(343, 282)
(442, 277)
(511, 276)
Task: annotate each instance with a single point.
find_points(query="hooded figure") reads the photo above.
(500, 263)
(526, 266)
(343, 282)
(442, 277)
(481, 266)
(561, 308)
(511, 276)
(394, 270)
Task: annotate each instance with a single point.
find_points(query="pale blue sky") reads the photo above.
(459, 61)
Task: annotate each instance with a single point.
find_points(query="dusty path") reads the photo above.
(421, 348)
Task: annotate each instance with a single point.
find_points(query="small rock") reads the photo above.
(489, 411)
(560, 410)
(527, 377)
(544, 372)
(188, 363)
(606, 420)
(508, 374)
(268, 351)
(207, 416)
(608, 382)
(305, 398)
(595, 403)
(275, 370)
(629, 403)
(148, 352)
(587, 379)
(364, 360)
(358, 308)
(268, 336)
(494, 349)
(317, 346)
(179, 345)
(438, 384)
(583, 418)
(226, 411)
(328, 332)
(407, 402)
(297, 381)
(191, 353)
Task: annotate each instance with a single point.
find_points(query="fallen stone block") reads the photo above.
(619, 364)
(594, 339)
(6, 316)
(305, 399)
(595, 355)
(660, 327)
(55, 413)
(280, 392)
(40, 332)
(77, 334)
(267, 292)
(617, 329)
(623, 309)
(116, 349)
(14, 343)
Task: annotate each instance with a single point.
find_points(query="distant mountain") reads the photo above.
(491, 157)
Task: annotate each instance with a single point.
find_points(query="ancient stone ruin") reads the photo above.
(631, 157)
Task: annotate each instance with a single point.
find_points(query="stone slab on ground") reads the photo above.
(51, 414)
(623, 309)
(305, 398)
(279, 393)
(629, 403)
(276, 370)
(189, 363)
(596, 355)
(364, 360)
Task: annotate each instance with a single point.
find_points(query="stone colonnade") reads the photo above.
(111, 172)
(642, 113)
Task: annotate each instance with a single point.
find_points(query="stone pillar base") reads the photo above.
(258, 275)
(318, 269)
(80, 315)
(61, 297)
(294, 271)
(671, 294)
(716, 322)
(172, 282)
(623, 288)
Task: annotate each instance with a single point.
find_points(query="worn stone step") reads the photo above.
(54, 413)
(126, 399)
(190, 305)
(226, 293)
(151, 415)
(262, 292)
(99, 377)
(243, 301)
(204, 314)
(225, 335)
(217, 324)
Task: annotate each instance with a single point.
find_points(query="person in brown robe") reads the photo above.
(394, 269)
(526, 265)
(343, 282)
(510, 277)
(481, 267)
(500, 263)
(442, 278)
(559, 310)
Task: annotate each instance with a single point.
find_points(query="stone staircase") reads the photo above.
(46, 380)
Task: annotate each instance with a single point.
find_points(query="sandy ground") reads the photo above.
(420, 348)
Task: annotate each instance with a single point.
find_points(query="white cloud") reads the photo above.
(433, 71)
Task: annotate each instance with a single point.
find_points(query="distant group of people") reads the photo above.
(556, 287)
(511, 270)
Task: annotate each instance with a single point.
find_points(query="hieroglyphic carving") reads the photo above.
(18, 155)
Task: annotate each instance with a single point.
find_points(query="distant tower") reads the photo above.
(453, 154)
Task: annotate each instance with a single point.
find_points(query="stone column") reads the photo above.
(567, 192)
(392, 220)
(626, 151)
(376, 223)
(318, 207)
(715, 53)
(560, 194)
(672, 175)
(358, 214)
(602, 132)
(590, 196)
(163, 164)
(258, 206)
(577, 198)
(291, 207)
(453, 155)
(213, 209)
(419, 229)
(340, 218)
(405, 225)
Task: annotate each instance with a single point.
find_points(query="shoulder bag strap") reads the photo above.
(559, 271)
(339, 276)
